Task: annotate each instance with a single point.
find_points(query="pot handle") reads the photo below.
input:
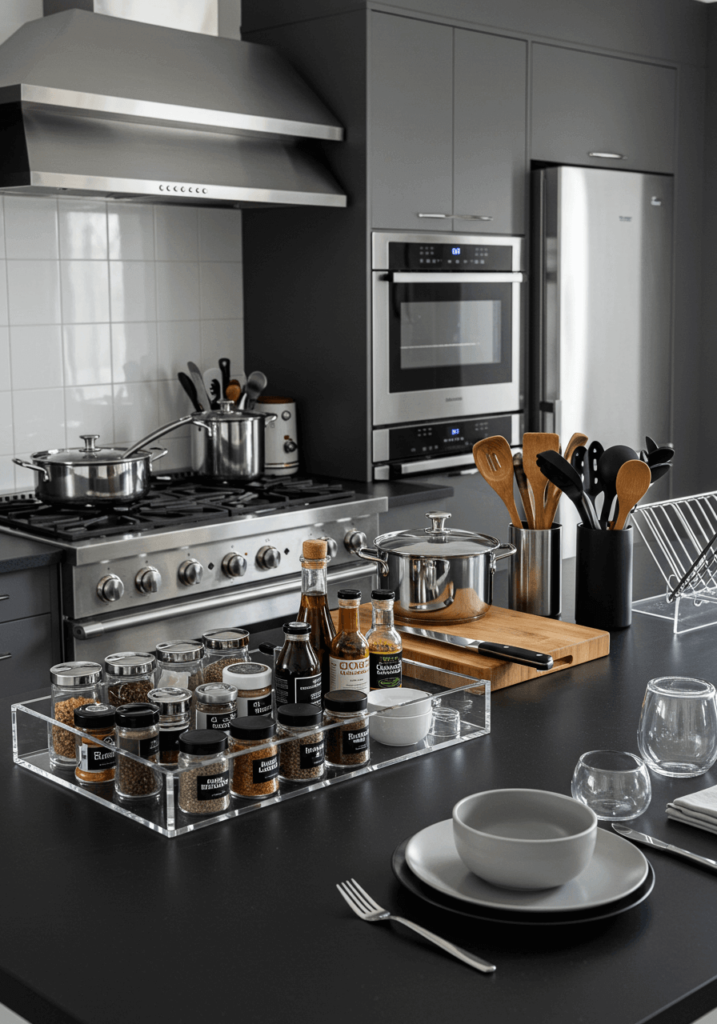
(33, 467)
(159, 432)
(161, 452)
(372, 555)
(269, 417)
(506, 551)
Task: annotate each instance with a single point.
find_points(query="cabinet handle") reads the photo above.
(471, 216)
(435, 216)
(609, 156)
(4, 657)
(4, 597)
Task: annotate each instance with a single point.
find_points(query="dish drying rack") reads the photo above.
(681, 536)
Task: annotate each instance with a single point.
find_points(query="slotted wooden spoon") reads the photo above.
(533, 445)
(552, 497)
(632, 481)
(494, 460)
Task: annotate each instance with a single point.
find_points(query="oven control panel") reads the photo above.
(441, 256)
(447, 437)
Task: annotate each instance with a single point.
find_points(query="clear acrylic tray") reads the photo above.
(470, 698)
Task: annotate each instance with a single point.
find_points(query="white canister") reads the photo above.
(281, 438)
(253, 683)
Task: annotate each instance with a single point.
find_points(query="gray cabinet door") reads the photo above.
(28, 647)
(410, 123)
(586, 103)
(489, 132)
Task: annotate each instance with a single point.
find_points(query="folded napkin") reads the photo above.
(698, 809)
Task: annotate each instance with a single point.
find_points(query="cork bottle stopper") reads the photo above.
(314, 549)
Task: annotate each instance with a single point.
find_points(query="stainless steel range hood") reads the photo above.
(99, 106)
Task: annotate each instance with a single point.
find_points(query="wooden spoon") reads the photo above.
(494, 460)
(553, 494)
(233, 392)
(633, 479)
(533, 445)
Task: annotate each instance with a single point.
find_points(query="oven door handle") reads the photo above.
(90, 628)
(454, 277)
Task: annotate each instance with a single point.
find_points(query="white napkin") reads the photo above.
(698, 809)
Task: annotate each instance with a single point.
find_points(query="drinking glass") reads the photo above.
(614, 784)
(677, 734)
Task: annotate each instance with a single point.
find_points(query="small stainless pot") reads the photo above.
(438, 575)
(228, 443)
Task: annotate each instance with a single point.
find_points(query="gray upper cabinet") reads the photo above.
(586, 103)
(489, 173)
(411, 123)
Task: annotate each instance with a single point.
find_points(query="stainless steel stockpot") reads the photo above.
(438, 575)
(228, 443)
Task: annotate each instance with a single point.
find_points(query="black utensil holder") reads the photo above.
(603, 578)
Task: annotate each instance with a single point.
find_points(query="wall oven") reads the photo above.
(446, 352)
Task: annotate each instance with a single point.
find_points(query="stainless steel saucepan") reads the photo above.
(231, 444)
(437, 574)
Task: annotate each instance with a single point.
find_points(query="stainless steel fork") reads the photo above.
(368, 910)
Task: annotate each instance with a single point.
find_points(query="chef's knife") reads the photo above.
(533, 659)
(657, 844)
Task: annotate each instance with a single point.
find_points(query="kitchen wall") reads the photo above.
(100, 305)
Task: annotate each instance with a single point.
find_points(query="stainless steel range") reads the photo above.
(191, 557)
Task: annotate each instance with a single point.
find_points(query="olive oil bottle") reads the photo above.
(384, 643)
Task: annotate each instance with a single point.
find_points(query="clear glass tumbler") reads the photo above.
(614, 784)
(677, 734)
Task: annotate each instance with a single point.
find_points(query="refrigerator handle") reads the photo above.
(555, 410)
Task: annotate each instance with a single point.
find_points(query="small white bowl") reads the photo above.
(524, 838)
(402, 695)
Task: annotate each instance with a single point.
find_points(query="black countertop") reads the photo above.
(19, 553)
(104, 920)
(401, 492)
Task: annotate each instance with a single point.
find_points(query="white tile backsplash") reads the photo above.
(105, 303)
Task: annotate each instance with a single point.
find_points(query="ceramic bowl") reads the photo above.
(400, 726)
(524, 838)
(378, 699)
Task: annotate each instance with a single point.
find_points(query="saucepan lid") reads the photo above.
(437, 541)
(91, 455)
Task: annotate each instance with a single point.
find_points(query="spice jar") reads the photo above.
(205, 788)
(72, 684)
(174, 703)
(347, 743)
(255, 775)
(95, 763)
(129, 677)
(304, 758)
(223, 647)
(215, 704)
(137, 731)
(180, 663)
(253, 683)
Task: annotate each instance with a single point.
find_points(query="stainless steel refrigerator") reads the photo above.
(601, 344)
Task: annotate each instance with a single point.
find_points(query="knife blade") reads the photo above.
(658, 844)
(521, 656)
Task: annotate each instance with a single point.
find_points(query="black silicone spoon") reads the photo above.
(559, 471)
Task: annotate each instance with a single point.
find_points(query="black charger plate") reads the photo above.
(438, 899)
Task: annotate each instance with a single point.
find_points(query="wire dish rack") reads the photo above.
(681, 536)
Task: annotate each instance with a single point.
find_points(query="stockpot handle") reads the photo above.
(33, 467)
(269, 417)
(159, 432)
(161, 452)
(372, 555)
(506, 551)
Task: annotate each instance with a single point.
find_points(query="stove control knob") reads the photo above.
(355, 540)
(332, 547)
(268, 557)
(234, 565)
(191, 572)
(149, 580)
(110, 588)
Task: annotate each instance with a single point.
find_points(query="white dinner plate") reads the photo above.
(616, 869)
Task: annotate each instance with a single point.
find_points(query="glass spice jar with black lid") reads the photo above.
(297, 672)
(180, 663)
(72, 684)
(255, 772)
(223, 647)
(347, 743)
(174, 703)
(137, 732)
(129, 676)
(215, 704)
(95, 762)
(204, 787)
(304, 758)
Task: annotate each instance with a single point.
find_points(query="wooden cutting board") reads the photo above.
(568, 644)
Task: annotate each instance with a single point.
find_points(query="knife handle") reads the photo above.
(533, 659)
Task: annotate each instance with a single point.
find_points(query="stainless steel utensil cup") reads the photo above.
(535, 583)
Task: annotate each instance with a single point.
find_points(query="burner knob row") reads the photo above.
(233, 565)
(110, 588)
(268, 557)
(191, 572)
(149, 580)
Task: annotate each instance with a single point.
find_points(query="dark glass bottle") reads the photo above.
(314, 607)
(296, 672)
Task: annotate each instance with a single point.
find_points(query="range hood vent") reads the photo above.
(99, 106)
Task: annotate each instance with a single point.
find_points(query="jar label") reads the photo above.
(214, 721)
(169, 738)
(96, 759)
(386, 669)
(149, 747)
(299, 689)
(354, 741)
(349, 674)
(249, 706)
(265, 768)
(213, 787)
(311, 755)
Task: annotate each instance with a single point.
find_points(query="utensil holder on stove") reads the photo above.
(603, 578)
(535, 582)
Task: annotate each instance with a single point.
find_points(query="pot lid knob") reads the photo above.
(438, 521)
(89, 440)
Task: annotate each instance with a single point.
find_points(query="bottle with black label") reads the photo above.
(384, 643)
(314, 607)
(297, 672)
(349, 650)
